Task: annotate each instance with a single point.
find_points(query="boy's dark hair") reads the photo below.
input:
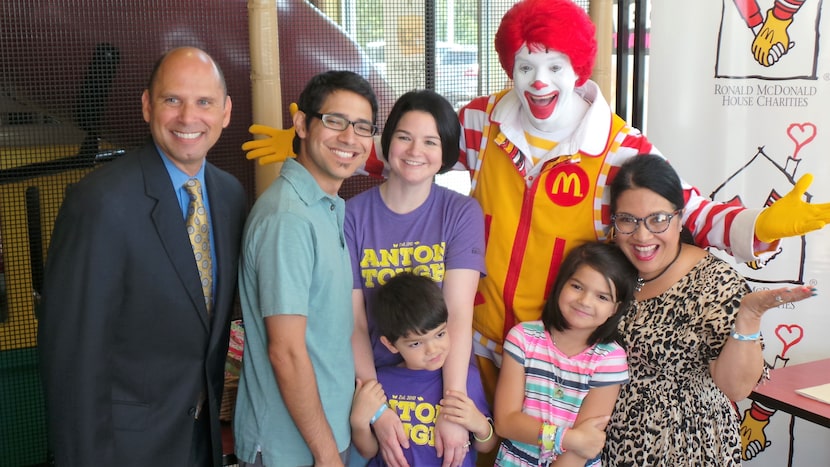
(449, 130)
(321, 86)
(609, 261)
(408, 303)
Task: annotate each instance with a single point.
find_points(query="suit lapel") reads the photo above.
(169, 223)
(223, 264)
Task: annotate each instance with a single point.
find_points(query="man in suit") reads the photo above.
(132, 346)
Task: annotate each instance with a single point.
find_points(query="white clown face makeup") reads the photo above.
(544, 81)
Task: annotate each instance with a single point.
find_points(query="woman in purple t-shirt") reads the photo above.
(410, 224)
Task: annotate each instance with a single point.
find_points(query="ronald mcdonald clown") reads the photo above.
(541, 156)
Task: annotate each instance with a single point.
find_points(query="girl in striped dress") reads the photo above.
(561, 376)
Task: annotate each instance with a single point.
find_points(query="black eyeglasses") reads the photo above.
(655, 223)
(340, 123)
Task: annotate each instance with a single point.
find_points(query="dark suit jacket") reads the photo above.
(125, 340)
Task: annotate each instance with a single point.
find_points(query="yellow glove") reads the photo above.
(275, 147)
(791, 216)
(772, 41)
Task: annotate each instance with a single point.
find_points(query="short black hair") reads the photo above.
(608, 260)
(322, 85)
(651, 172)
(449, 129)
(408, 303)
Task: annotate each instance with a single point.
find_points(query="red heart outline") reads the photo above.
(806, 128)
(790, 329)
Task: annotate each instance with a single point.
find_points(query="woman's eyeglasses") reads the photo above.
(655, 223)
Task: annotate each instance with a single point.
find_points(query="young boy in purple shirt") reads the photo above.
(411, 316)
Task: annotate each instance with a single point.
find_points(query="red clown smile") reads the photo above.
(542, 107)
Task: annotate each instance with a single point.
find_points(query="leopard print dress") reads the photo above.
(672, 414)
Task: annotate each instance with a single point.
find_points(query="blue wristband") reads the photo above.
(377, 415)
(745, 337)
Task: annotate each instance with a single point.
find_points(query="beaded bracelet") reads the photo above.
(546, 437)
(744, 337)
(557, 441)
(377, 415)
(489, 422)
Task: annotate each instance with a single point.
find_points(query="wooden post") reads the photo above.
(601, 12)
(266, 94)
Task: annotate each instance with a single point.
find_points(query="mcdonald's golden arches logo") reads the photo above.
(567, 184)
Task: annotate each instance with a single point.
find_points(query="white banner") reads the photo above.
(745, 128)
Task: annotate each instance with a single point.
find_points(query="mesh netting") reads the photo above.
(72, 76)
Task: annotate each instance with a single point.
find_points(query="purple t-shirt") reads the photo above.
(445, 232)
(414, 395)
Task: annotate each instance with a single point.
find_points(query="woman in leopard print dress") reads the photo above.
(692, 335)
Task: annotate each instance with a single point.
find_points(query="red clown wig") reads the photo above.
(554, 25)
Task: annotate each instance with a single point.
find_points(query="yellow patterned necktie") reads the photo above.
(199, 231)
